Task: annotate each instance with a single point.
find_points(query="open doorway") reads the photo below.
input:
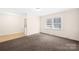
(25, 26)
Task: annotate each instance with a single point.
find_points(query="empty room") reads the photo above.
(39, 29)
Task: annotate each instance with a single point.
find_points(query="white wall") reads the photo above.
(70, 24)
(33, 25)
(10, 24)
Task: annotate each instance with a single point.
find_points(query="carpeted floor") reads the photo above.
(40, 42)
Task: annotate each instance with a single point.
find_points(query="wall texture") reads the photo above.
(70, 24)
(33, 25)
(10, 24)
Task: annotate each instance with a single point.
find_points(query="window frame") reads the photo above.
(53, 27)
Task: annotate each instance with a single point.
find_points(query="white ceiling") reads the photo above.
(31, 11)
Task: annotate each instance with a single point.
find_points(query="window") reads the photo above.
(56, 23)
(49, 23)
